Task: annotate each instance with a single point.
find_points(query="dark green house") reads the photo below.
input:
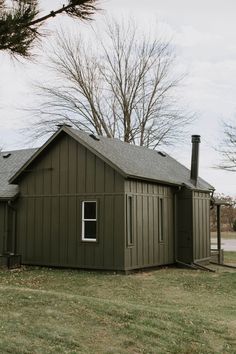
(98, 203)
(10, 163)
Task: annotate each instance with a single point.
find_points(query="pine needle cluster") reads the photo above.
(20, 22)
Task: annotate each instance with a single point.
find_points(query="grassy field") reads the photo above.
(230, 257)
(165, 311)
(225, 234)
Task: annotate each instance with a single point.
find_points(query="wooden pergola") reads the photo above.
(218, 203)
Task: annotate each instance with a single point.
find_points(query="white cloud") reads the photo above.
(191, 37)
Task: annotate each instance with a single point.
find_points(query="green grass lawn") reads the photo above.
(229, 257)
(224, 234)
(165, 311)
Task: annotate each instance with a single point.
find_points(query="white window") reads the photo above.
(89, 221)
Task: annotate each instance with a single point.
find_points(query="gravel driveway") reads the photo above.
(226, 244)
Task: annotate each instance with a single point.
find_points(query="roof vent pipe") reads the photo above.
(196, 139)
(6, 155)
(94, 137)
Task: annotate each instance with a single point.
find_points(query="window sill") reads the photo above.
(88, 240)
(130, 246)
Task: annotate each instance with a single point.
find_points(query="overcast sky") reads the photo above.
(203, 33)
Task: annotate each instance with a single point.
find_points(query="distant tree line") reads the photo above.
(228, 214)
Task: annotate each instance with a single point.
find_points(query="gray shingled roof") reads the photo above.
(132, 161)
(8, 167)
(141, 162)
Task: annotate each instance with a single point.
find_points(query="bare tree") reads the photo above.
(124, 88)
(228, 213)
(228, 148)
(20, 23)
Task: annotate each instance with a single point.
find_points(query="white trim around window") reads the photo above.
(89, 222)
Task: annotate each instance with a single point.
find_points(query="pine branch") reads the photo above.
(19, 26)
(15, 34)
(85, 10)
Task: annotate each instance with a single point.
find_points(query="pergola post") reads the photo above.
(218, 233)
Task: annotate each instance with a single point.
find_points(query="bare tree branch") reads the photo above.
(227, 147)
(125, 89)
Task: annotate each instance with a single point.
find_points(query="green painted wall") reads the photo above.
(49, 214)
(193, 226)
(201, 225)
(2, 226)
(147, 249)
(184, 222)
(49, 209)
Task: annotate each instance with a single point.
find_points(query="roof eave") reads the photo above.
(95, 152)
(74, 136)
(197, 189)
(154, 180)
(5, 199)
(171, 184)
(18, 173)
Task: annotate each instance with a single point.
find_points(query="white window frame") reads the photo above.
(84, 220)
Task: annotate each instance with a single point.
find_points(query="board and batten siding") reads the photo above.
(193, 226)
(147, 250)
(201, 226)
(3, 206)
(184, 226)
(49, 209)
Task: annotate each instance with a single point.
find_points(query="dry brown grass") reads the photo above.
(164, 311)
